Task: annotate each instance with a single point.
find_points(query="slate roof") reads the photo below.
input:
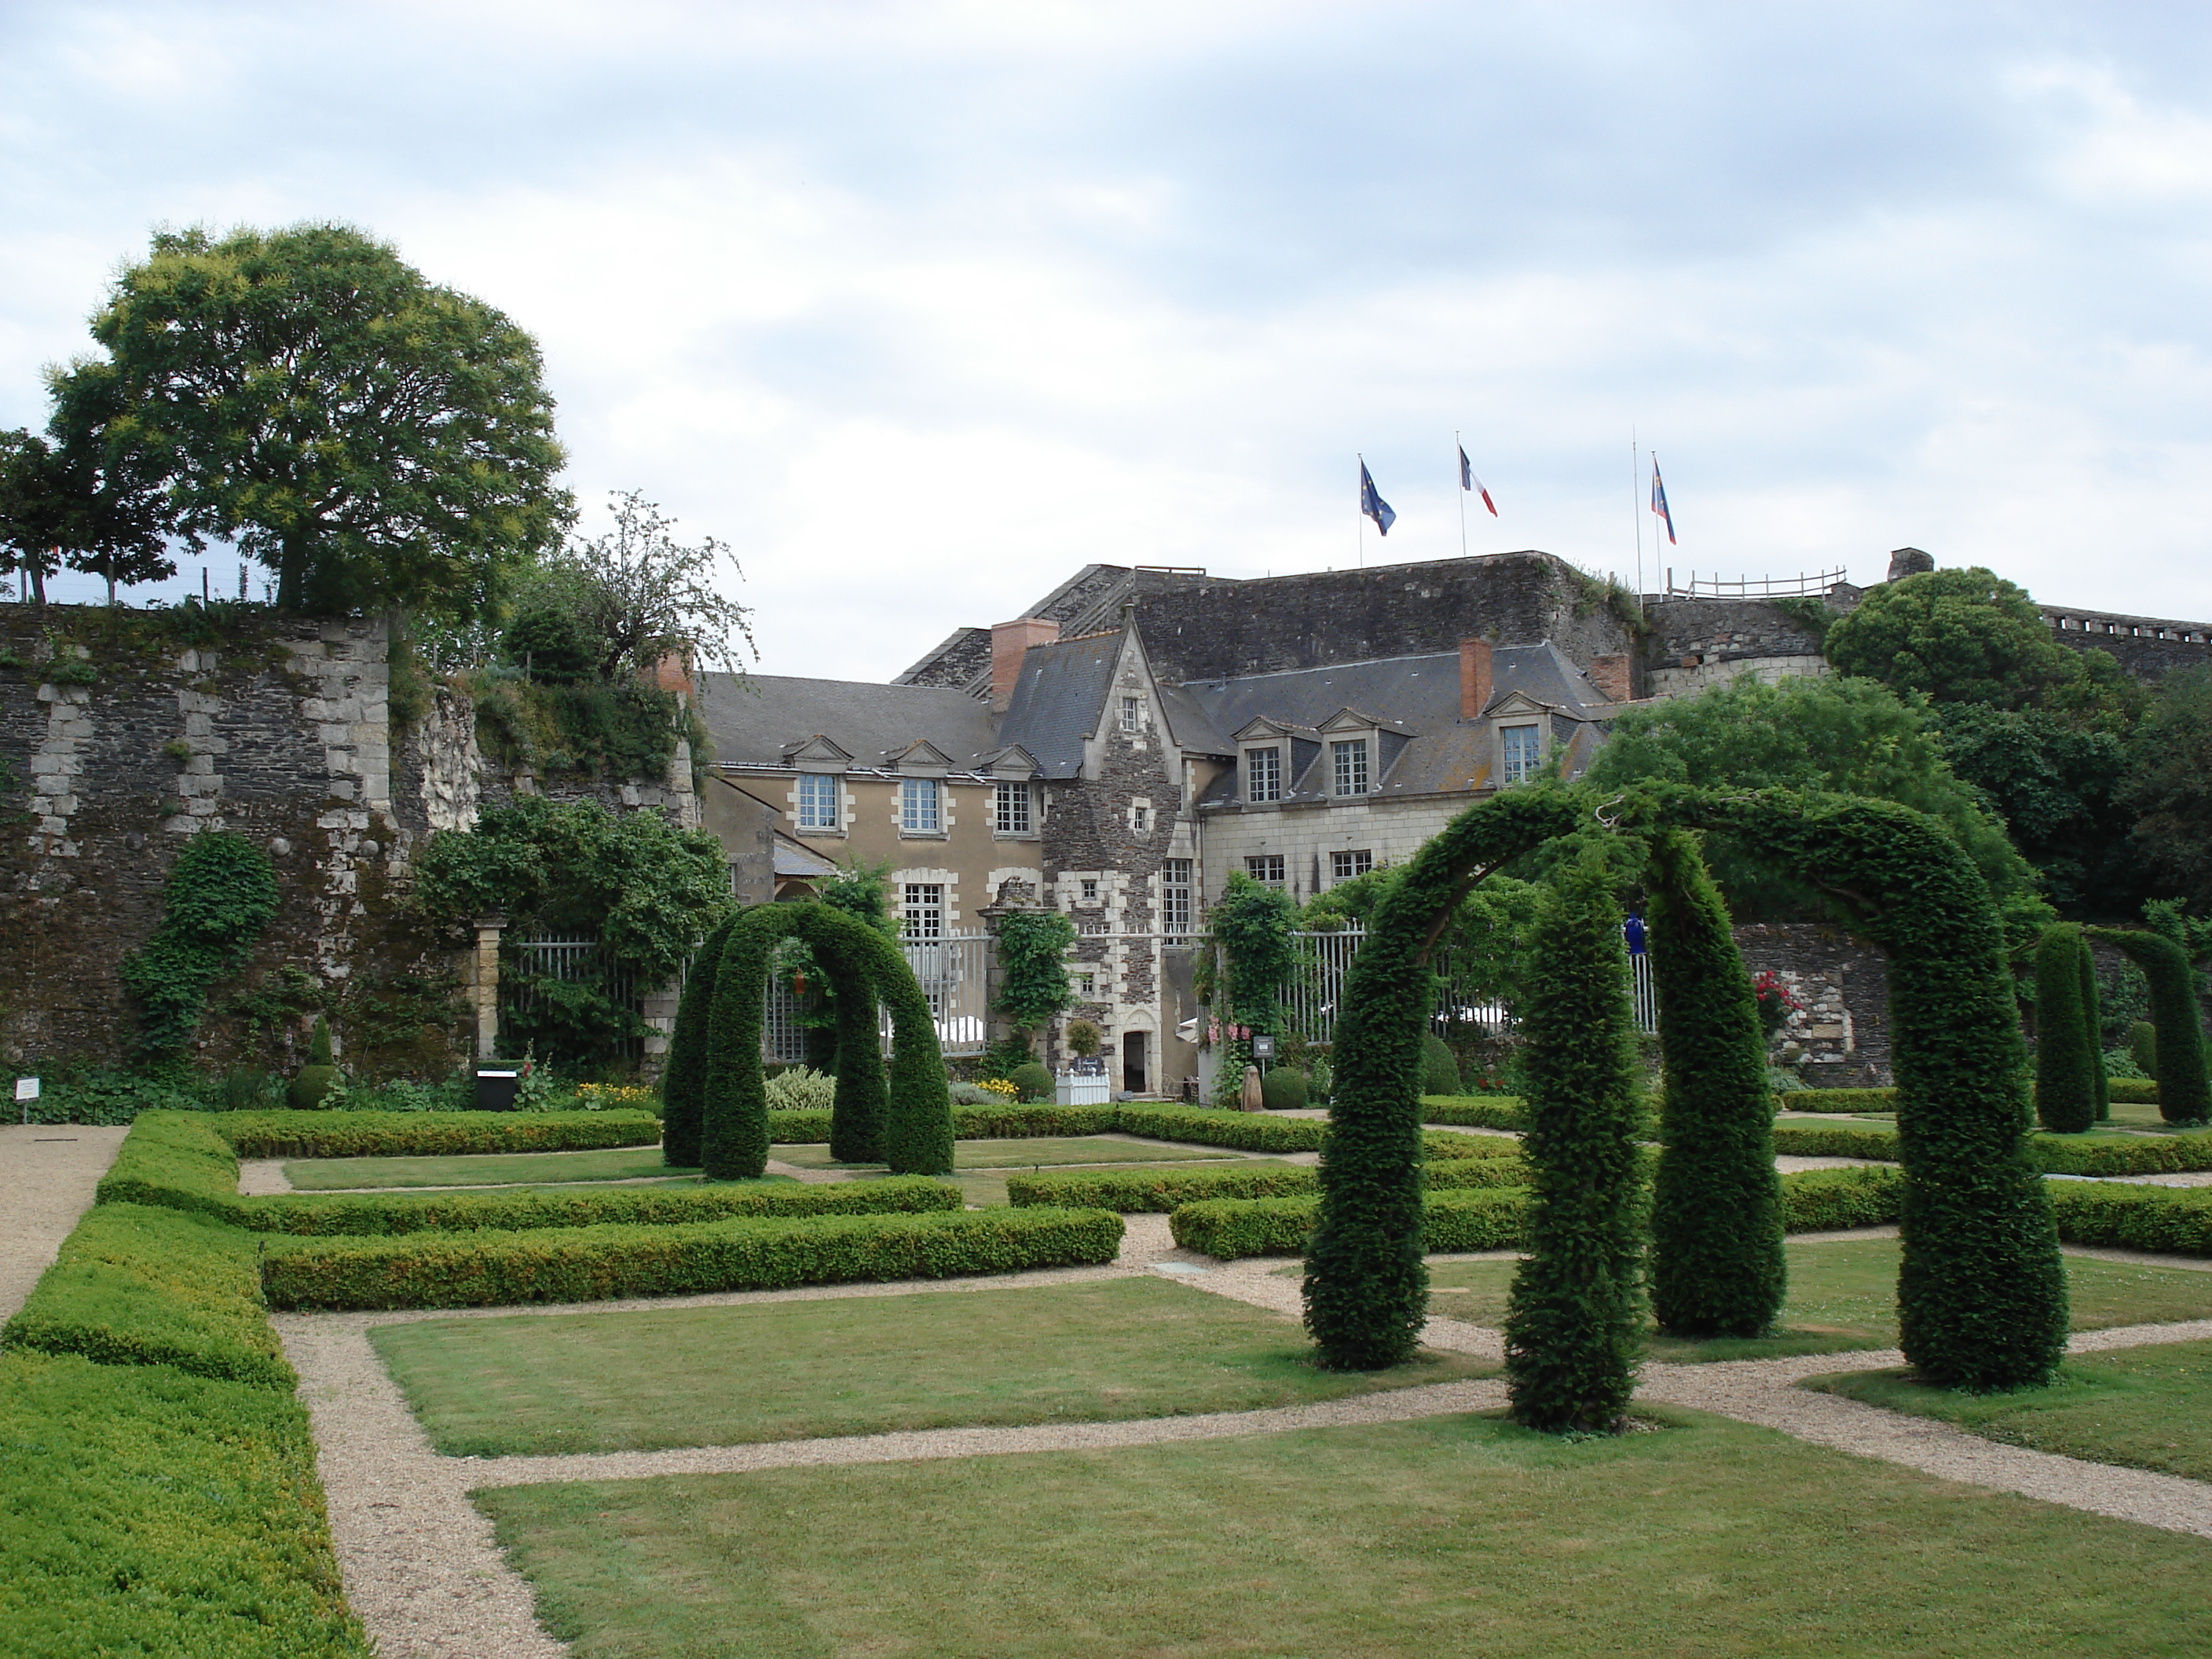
(873, 723)
(1058, 701)
(1415, 694)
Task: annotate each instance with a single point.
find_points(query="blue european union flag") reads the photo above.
(1372, 504)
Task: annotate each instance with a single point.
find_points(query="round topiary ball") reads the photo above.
(1439, 1071)
(1283, 1089)
(307, 1090)
(1033, 1081)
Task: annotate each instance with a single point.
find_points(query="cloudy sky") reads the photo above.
(922, 306)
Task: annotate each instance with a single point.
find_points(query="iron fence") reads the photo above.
(954, 972)
(1315, 988)
(524, 1002)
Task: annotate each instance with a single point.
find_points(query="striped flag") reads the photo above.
(1468, 481)
(1659, 500)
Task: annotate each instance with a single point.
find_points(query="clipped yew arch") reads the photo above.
(1981, 1292)
(2184, 1094)
(904, 1121)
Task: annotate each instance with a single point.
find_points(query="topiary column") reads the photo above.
(684, 1079)
(733, 1103)
(856, 1112)
(2093, 1032)
(1717, 1263)
(2066, 1058)
(2184, 1093)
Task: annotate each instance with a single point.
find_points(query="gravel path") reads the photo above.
(48, 1172)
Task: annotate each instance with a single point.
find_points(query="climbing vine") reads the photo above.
(1033, 967)
(1251, 929)
(220, 898)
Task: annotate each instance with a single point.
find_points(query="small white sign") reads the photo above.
(26, 1088)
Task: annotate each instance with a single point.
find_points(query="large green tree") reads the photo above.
(1957, 636)
(1841, 736)
(2169, 785)
(372, 438)
(2056, 782)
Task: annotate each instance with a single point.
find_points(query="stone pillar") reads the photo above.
(1014, 895)
(659, 1014)
(485, 985)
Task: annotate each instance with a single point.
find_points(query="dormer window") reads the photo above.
(919, 811)
(1520, 751)
(1263, 775)
(1133, 714)
(817, 801)
(1348, 765)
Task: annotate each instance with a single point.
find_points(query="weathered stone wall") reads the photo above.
(1692, 643)
(1844, 1029)
(1204, 629)
(2148, 648)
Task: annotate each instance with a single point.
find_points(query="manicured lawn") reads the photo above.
(2141, 1407)
(705, 1377)
(1044, 1151)
(1843, 1296)
(622, 1163)
(1449, 1535)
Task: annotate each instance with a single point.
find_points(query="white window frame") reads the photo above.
(1133, 714)
(808, 813)
(1263, 782)
(1177, 895)
(1016, 801)
(921, 902)
(1348, 767)
(1088, 890)
(1140, 818)
(1514, 769)
(1268, 869)
(1350, 866)
(921, 806)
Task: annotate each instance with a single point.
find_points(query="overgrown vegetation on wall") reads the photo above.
(220, 896)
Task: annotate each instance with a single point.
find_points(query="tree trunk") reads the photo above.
(38, 573)
(291, 562)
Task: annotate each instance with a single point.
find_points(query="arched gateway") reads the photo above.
(1981, 1292)
(716, 1104)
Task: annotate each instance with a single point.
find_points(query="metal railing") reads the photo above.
(1315, 990)
(954, 972)
(568, 962)
(1755, 587)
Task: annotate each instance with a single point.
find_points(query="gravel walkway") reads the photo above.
(48, 1172)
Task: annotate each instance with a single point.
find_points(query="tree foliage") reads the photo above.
(1486, 939)
(2170, 787)
(1033, 967)
(67, 502)
(1573, 1324)
(1964, 636)
(1839, 736)
(372, 439)
(1717, 1264)
(2057, 786)
(1251, 927)
(605, 606)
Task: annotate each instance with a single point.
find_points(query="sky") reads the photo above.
(920, 306)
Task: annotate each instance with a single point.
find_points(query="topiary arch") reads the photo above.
(715, 1080)
(1981, 1294)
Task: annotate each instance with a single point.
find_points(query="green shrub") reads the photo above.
(2142, 1045)
(2144, 1091)
(1247, 1132)
(1439, 1066)
(1003, 1120)
(1033, 1081)
(1717, 1261)
(798, 1128)
(1830, 1200)
(1158, 1191)
(318, 1076)
(2169, 1220)
(429, 1134)
(1476, 1111)
(2066, 1068)
(1841, 1100)
(134, 1285)
(800, 1089)
(143, 1511)
(683, 1077)
(1836, 1140)
(2183, 1089)
(1283, 1089)
(105, 1096)
(1232, 1229)
(2135, 1155)
(587, 1264)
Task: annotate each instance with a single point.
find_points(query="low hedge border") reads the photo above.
(426, 1134)
(591, 1264)
(1836, 1140)
(2172, 1220)
(2052, 1154)
(1839, 1100)
(134, 1285)
(1817, 1201)
(1475, 1111)
(1158, 1191)
(146, 1511)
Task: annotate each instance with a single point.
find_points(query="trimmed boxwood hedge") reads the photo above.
(1839, 1100)
(2182, 1092)
(1475, 1111)
(590, 1264)
(2135, 1155)
(1836, 1140)
(148, 1512)
(1133, 1191)
(2177, 1220)
(140, 1286)
(429, 1134)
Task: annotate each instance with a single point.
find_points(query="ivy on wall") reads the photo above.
(1033, 967)
(218, 899)
(1251, 928)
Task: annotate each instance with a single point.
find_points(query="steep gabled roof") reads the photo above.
(753, 720)
(1058, 701)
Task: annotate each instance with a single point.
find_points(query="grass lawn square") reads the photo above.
(1447, 1536)
(791, 1370)
(1843, 1295)
(2141, 1407)
(477, 1168)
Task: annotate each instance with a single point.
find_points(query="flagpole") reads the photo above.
(1359, 494)
(1635, 509)
(1460, 484)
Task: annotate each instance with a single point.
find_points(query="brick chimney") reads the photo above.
(1610, 675)
(673, 672)
(1474, 682)
(1009, 643)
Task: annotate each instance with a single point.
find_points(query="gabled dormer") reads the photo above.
(1270, 755)
(1011, 762)
(1358, 749)
(1520, 737)
(919, 759)
(817, 754)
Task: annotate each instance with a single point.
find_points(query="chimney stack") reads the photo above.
(1474, 684)
(1009, 643)
(1610, 675)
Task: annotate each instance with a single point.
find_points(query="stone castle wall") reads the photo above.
(1843, 982)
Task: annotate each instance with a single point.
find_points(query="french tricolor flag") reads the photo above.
(1470, 482)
